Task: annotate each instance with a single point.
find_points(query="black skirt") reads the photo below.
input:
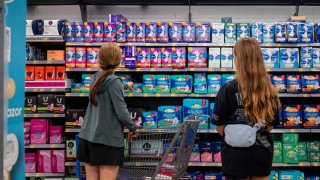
(99, 154)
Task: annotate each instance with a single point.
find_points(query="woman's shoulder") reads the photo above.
(230, 86)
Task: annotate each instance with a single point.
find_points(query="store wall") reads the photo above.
(176, 13)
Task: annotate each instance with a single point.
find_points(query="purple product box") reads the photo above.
(151, 32)
(178, 57)
(131, 32)
(188, 32)
(203, 33)
(76, 29)
(68, 31)
(109, 32)
(162, 32)
(143, 57)
(155, 57)
(130, 62)
(166, 59)
(175, 32)
(121, 32)
(113, 18)
(87, 31)
(140, 32)
(98, 30)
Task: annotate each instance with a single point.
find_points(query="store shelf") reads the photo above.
(205, 164)
(44, 62)
(72, 130)
(301, 164)
(46, 39)
(36, 90)
(128, 44)
(315, 130)
(45, 174)
(315, 164)
(44, 115)
(290, 131)
(73, 164)
(45, 146)
(77, 94)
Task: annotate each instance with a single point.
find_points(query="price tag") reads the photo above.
(87, 44)
(53, 90)
(219, 164)
(278, 45)
(83, 94)
(68, 130)
(210, 69)
(173, 95)
(192, 69)
(175, 70)
(213, 95)
(89, 69)
(53, 145)
(174, 44)
(148, 44)
(32, 146)
(126, 70)
(301, 164)
(36, 115)
(197, 95)
(145, 95)
(56, 115)
(293, 130)
(315, 164)
(285, 165)
(130, 95)
(34, 90)
(49, 62)
(45, 39)
(158, 95)
(130, 44)
(152, 69)
(38, 174)
(223, 69)
(234, 69)
(301, 70)
(305, 95)
(68, 69)
(68, 94)
(204, 164)
(315, 69)
(190, 163)
(221, 44)
(268, 69)
(68, 44)
(138, 163)
(138, 69)
(35, 62)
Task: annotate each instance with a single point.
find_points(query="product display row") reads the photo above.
(37, 53)
(45, 103)
(45, 161)
(45, 73)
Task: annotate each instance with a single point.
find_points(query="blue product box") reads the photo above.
(200, 87)
(162, 84)
(214, 57)
(230, 35)
(294, 84)
(137, 88)
(149, 83)
(212, 175)
(291, 175)
(306, 57)
(217, 33)
(131, 32)
(195, 153)
(169, 116)
(316, 57)
(305, 32)
(149, 120)
(162, 32)
(203, 31)
(87, 31)
(214, 83)
(271, 57)
(189, 32)
(125, 77)
(211, 126)
(109, 32)
(206, 152)
(196, 107)
(268, 32)
(175, 32)
(196, 175)
(243, 30)
(121, 32)
(280, 32)
(317, 32)
(257, 31)
(274, 175)
(292, 32)
(289, 57)
(86, 79)
(225, 78)
(310, 83)
(279, 82)
(217, 147)
(181, 84)
(200, 77)
(311, 116)
(292, 116)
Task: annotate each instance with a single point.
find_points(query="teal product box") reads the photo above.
(197, 107)
(291, 175)
(289, 57)
(200, 77)
(86, 79)
(149, 119)
(290, 138)
(211, 126)
(280, 32)
(226, 57)
(257, 31)
(271, 57)
(268, 32)
(181, 84)
(277, 152)
(149, 83)
(314, 156)
(310, 83)
(217, 33)
(137, 88)
(162, 85)
(294, 84)
(292, 32)
(316, 57)
(311, 116)
(292, 116)
(200, 83)
(305, 32)
(214, 83)
(125, 77)
(290, 153)
(243, 30)
(306, 57)
(225, 78)
(214, 57)
(169, 116)
(313, 146)
(302, 148)
(230, 35)
(76, 88)
(274, 175)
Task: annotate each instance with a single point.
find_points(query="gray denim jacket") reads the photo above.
(104, 123)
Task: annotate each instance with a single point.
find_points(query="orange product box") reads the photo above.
(60, 73)
(57, 55)
(29, 73)
(39, 73)
(50, 73)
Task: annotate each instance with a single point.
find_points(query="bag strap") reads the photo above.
(257, 127)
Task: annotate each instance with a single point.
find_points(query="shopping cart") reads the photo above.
(159, 154)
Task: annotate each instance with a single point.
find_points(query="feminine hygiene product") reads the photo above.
(149, 82)
(149, 119)
(277, 152)
(140, 32)
(211, 126)
(121, 32)
(302, 151)
(81, 57)
(292, 32)
(70, 57)
(292, 116)
(178, 56)
(197, 107)
(217, 32)
(77, 31)
(290, 153)
(225, 78)
(87, 31)
(289, 57)
(230, 35)
(306, 57)
(151, 32)
(188, 32)
(213, 175)
(131, 32)
(243, 30)
(30, 162)
(206, 152)
(109, 32)
(292, 175)
(226, 57)
(155, 57)
(316, 57)
(279, 82)
(98, 31)
(203, 32)
(39, 131)
(56, 134)
(305, 32)
(166, 58)
(311, 116)
(58, 161)
(268, 32)
(195, 153)
(310, 83)
(44, 161)
(169, 116)
(175, 32)
(162, 84)
(143, 57)
(280, 32)
(257, 31)
(181, 84)
(214, 57)
(93, 57)
(162, 32)
(200, 83)
(290, 138)
(270, 57)
(197, 57)
(294, 84)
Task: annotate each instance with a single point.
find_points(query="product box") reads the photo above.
(197, 57)
(226, 57)
(143, 57)
(39, 131)
(162, 84)
(60, 73)
(169, 116)
(181, 84)
(214, 57)
(292, 116)
(280, 32)
(140, 32)
(81, 57)
(29, 28)
(302, 148)
(257, 31)
(291, 175)
(225, 78)
(189, 32)
(290, 138)
(130, 62)
(292, 32)
(58, 161)
(290, 153)
(175, 32)
(56, 134)
(294, 84)
(125, 77)
(274, 175)
(197, 107)
(316, 57)
(53, 27)
(87, 31)
(268, 32)
(149, 83)
(67, 31)
(149, 120)
(44, 161)
(59, 104)
(305, 32)
(137, 88)
(45, 103)
(151, 32)
(162, 32)
(77, 31)
(200, 77)
(313, 146)
(200, 87)
(93, 57)
(50, 73)
(306, 57)
(98, 31)
(195, 153)
(71, 148)
(289, 57)
(39, 73)
(30, 73)
(109, 32)
(70, 57)
(57, 55)
(30, 162)
(206, 152)
(121, 32)
(310, 83)
(211, 126)
(166, 57)
(131, 32)
(230, 35)
(203, 31)
(75, 117)
(179, 57)
(217, 33)
(270, 57)
(243, 30)
(214, 83)
(277, 152)
(196, 175)
(314, 156)
(155, 57)
(30, 104)
(311, 116)
(279, 82)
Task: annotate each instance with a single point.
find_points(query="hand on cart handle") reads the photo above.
(132, 135)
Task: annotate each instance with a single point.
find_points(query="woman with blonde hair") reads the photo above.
(101, 145)
(245, 111)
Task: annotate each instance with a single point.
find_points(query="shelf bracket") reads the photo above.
(298, 7)
(190, 14)
(83, 10)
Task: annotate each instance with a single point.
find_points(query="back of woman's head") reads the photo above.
(259, 97)
(109, 60)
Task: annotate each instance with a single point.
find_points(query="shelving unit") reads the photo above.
(44, 115)
(45, 174)
(45, 146)
(45, 62)
(44, 39)
(35, 90)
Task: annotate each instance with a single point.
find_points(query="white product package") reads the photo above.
(51, 28)
(214, 57)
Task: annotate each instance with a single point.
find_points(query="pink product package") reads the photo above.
(77, 31)
(206, 157)
(178, 57)
(131, 32)
(195, 157)
(143, 57)
(110, 32)
(87, 31)
(30, 162)
(81, 57)
(56, 134)
(166, 59)
(70, 57)
(98, 31)
(217, 157)
(58, 161)
(44, 161)
(27, 133)
(155, 57)
(39, 131)
(197, 57)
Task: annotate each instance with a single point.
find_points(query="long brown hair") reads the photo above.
(260, 99)
(109, 60)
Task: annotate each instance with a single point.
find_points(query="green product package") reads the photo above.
(290, 138)
(290, 153)
(230, 34)
(277, 152)
(313, 146)
(314, 156)
(149, 83)
(302, 148)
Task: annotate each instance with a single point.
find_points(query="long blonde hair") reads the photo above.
(109, 60)
(260, 99)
